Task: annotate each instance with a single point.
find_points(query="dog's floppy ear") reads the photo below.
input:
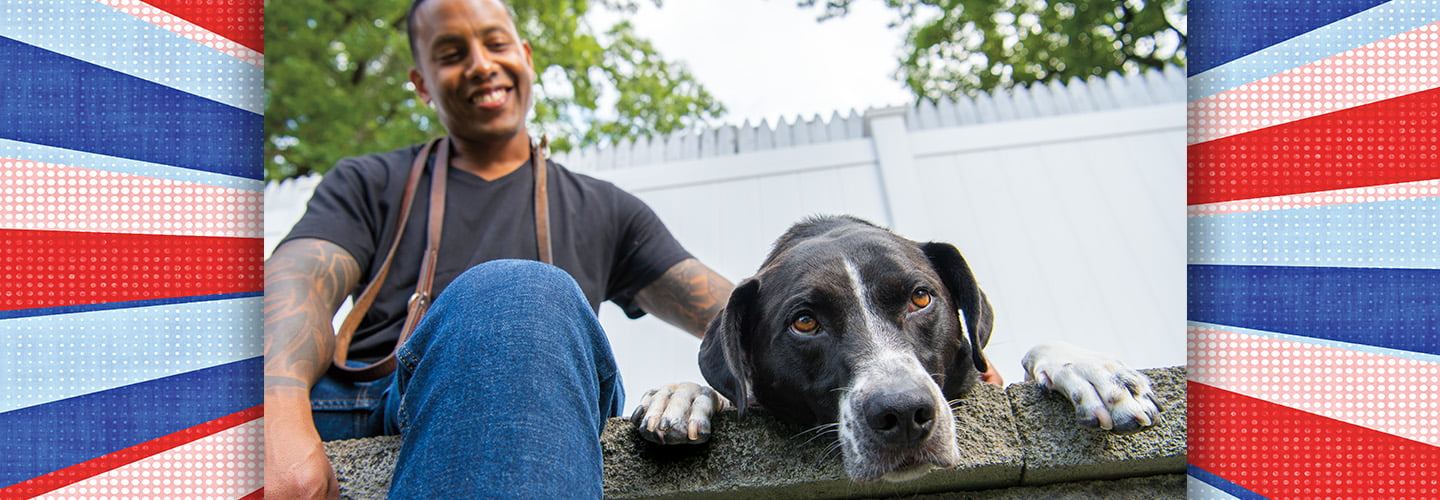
(723, 358)
(956, 275)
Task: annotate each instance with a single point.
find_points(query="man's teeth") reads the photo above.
(490, 97)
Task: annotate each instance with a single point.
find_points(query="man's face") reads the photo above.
(473, 67)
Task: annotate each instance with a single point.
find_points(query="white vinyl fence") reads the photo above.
(1067, 200)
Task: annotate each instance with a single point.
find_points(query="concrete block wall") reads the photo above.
(1017, 442)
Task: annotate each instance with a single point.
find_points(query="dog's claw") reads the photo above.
(677, 414)
(1106, 393)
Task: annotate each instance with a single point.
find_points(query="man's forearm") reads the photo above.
(305, 282)
(688, 296)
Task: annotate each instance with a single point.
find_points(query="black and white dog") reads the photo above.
(848, 325)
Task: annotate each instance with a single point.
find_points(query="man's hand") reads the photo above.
(678, 414)
(295, 461)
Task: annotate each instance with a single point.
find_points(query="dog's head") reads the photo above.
(847, 323)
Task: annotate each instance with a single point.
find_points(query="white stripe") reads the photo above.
(60, 156)
(94, 33)
(1403, 64)
(1196, 489)
(187, 29)
(226, 464)
(874, 323)
(49, 197)
(49, 358)
(1395, 16)
(1392, 395)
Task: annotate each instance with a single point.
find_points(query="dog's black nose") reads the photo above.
(901, 419)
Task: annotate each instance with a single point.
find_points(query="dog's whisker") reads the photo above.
(819, 430)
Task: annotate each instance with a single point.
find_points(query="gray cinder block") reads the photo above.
(1018, 442)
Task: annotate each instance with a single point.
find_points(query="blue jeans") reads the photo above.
(501, 391)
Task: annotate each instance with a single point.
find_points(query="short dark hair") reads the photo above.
(410, 26)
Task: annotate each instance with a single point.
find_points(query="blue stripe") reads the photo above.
(1226, 30)
(1346, 235)
(1385, 21)
(80, 159)
(110, 306)
(49, 358)
(46, 438)
(100, 34)
(47, 98)
(1390, 308)
(1221, 484)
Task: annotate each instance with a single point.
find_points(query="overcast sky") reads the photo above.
(765, 59)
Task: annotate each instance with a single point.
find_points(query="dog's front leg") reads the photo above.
(678, 413)
(1106, 393)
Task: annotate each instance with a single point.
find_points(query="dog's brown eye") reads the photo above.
(920, 298)
(805, 324)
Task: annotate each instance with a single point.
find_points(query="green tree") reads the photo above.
(337, 83)
(957, 48)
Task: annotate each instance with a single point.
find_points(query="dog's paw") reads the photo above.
(1106, 393)
(677, 414)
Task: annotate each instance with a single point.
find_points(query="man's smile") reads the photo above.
(491, 98)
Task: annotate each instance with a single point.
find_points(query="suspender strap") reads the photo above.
(420, 300)
(542, 200)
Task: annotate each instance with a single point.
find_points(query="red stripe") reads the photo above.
(241, 21)
(255, 495)
(100, 465)
(61, 268)
(1387, 142)
(1281, 452)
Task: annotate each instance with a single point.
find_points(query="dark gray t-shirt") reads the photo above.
(607, 239)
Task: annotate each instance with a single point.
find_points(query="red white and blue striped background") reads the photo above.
(130, 307)
(130, 234)
(1314, 266)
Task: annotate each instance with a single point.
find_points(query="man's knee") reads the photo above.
(514, 281)
(506, 298)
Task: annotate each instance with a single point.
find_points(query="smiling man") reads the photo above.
(504, 385)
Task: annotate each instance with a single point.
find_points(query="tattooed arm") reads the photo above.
(688, 295)
(305, 282)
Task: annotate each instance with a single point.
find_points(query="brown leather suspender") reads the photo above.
(420, 301)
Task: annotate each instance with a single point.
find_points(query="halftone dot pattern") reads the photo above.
(1283, 453)
(1392, 395)
(79, 159)
(241, 21)
(1400, 65)
(1381, 22)
(109, 38)
(187, 29)
(1314, 212)
(1388, 234)
(1389, 142)
(1368, 194)
(211, 467)
(52, 197)
(51, 269)
(130, 243)
(74, 354)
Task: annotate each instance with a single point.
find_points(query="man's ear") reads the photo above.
(723, 358)
(418, 80)
(966, 293)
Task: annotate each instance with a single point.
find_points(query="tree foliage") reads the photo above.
(956, 48)
(337, 83)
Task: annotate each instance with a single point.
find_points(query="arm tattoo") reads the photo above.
(305, 282)
(688, 296)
